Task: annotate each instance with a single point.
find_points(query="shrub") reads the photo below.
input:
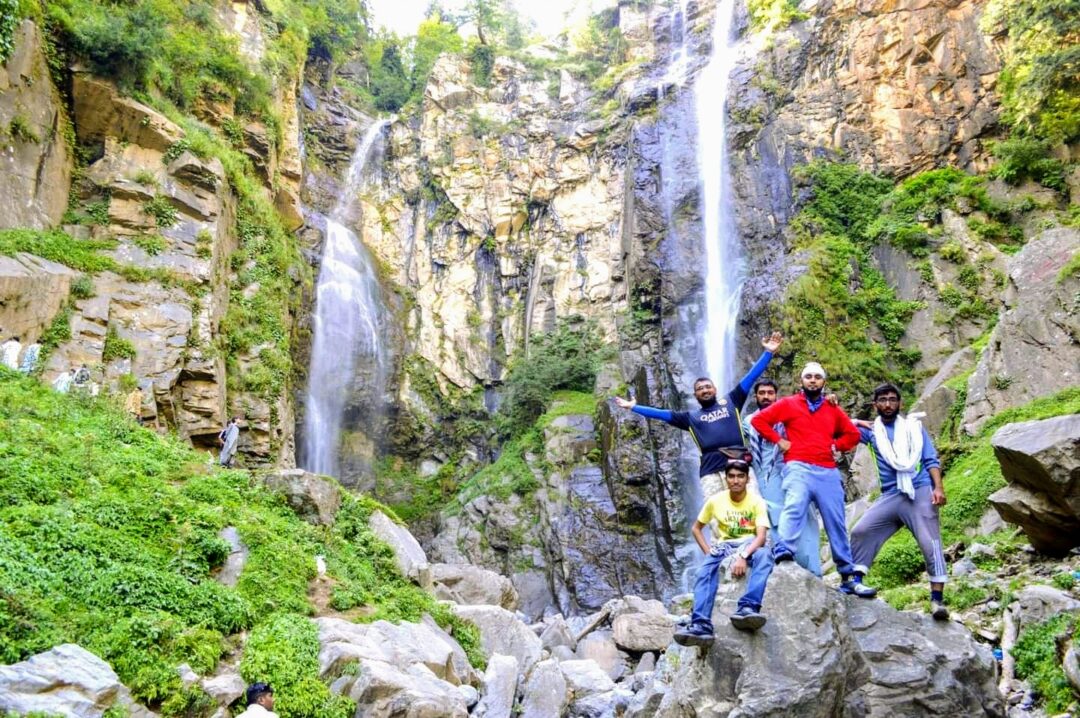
(774, 14)
(82, 287)
(20, 129)
(152, 244)
(116, 347)
(162, 210)
(1038, 661)
(1021, 158)
(10, 16)
(567, 358)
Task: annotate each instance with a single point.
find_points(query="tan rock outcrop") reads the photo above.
(32, 290)
(35, 159)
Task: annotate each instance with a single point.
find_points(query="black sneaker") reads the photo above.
(747, 619)
(938, 611)
(855, 588)
(695, 636)
(783, 556)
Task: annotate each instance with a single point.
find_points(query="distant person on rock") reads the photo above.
(814, 427)
(81, 380)
(62, 382)
(717, 426)
(738, 521)
(260, 702)
(769, 468)
(9, 352)
(912, 491)
(30, 359)
(229, 437)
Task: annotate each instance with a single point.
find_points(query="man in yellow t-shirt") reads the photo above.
(739, 522)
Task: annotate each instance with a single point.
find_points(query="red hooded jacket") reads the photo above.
(812, 434)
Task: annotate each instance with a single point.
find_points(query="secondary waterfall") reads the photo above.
(723, 258)
(347, 318)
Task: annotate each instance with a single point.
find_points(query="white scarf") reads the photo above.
(904, 452)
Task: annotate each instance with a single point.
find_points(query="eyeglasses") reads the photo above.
(887, 400)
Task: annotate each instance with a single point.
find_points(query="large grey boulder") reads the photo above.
(1037, 603)
(599, 646)
(1041, 462)
(383, 690)
(500, 687)
(502, 632)
(404, 644)
(1033, 350)
(823, 655)
(314, 498)
(224, 688)
(409, 556)
(67, 680)
(472, 585)
(642, 632)
(584, 677)
(545, 693)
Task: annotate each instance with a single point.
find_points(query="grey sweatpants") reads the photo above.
(887, 516)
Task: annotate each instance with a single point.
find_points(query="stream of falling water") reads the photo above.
(346, 322)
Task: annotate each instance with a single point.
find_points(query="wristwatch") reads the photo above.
(742, 554)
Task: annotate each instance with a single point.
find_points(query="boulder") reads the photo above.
(824, 654)
(224, 688)
(32, 290)
(570, 439)
(237, 559)
(557, 633)
(385, 690)
(67, 680)
(642, 632)
(404, 644)
(472, 585)
(500, 687)
(584, 677)
(1041, 462)
(1037, 602)
(545, 692)
(600, 647)
(502, 632)
(314, 498)
(409, 556)
(609, 704)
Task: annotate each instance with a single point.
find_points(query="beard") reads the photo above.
(707, 403)
(813, 394)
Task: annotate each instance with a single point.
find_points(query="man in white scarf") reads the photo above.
(911, 491)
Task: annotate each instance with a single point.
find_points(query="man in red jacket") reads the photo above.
(813, 426)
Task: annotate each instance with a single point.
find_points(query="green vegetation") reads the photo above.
(21, 130)
(10, 16)
(774, 14)
(1070, 268)
(162, 210)
(116, 347)
(567, 358)
(831, 313)
(1038, 661)
(82, 287)
(58, 246)
(108, 538)
(971, 475)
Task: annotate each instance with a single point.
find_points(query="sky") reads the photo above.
(402, 16)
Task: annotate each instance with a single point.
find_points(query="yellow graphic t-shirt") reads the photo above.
(734, 520)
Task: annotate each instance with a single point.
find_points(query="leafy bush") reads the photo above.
(82, 287)
(1038, 661)
(774, 14)
(567, 358)
(162, 210)
(9, 20)
(116, 347)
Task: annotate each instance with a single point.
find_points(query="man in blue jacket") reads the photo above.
(717, 426)
(912, 492)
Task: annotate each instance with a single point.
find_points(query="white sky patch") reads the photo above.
(550, 16)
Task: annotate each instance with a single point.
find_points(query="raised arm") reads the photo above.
(771, 344)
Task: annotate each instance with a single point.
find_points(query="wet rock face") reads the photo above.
(35, 159)
(1041, 462)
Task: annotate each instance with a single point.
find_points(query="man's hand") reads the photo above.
(833, 399)
(772, 342)
(738, 567)
(784, 445)
(938, 497)
(863, 423)
(624, 404)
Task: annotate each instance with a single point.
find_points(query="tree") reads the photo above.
(433, 38)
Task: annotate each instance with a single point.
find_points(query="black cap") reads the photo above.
(255, 690)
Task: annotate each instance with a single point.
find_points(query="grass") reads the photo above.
(108, 539)
(1038, 661)
(970, 478)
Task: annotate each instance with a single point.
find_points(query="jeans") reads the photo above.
(708, 579)
(805, 483)
(807, 550)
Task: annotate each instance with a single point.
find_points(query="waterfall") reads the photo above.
(347, 332)
(723, 261)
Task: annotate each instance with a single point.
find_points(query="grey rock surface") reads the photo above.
(472, 585)
(499, 687)
(314, 498)
(1041, 462)
(409, 556)
(502, 632)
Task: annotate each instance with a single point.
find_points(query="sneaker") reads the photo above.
(783, 556)
(938, 611)
(854, 588)
(695, 636)
(747, 619)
